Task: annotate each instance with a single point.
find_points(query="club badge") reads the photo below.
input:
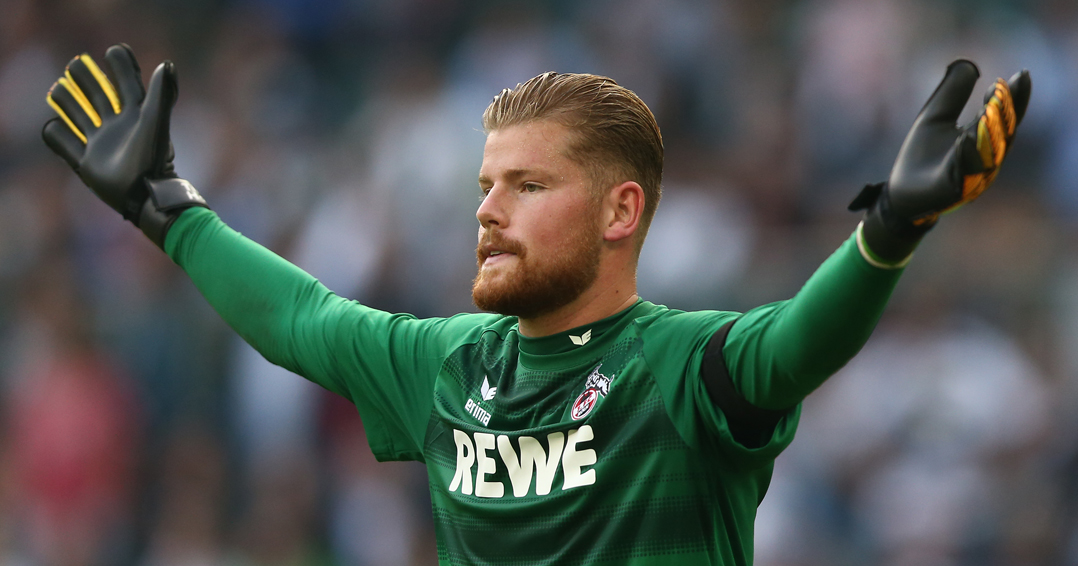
(597, 385)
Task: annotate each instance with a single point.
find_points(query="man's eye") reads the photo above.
(531, 187)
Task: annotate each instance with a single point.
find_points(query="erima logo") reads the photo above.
(486, 390)
(478, 412)
(582, 339)
(487, 393)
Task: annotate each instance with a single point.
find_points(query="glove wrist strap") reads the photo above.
(167, 199)
(885, 238)
(873, 259)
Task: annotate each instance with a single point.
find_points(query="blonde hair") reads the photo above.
(615, 135)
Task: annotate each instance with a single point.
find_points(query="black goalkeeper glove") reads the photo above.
(940, 167)
(117, 140)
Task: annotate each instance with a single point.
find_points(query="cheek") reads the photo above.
(559, 227)
(550, 232)
(565, 237)
(579, 220)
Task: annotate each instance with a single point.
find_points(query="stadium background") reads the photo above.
(344, 134)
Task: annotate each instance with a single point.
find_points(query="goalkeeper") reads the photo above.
(574, 423)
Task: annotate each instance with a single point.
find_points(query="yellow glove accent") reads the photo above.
(995, 128)
(106, 85)
(67, 120)
(69, 83)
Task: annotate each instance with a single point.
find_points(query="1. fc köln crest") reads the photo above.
(597, 385)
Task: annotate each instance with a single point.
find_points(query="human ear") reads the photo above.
(622, 208)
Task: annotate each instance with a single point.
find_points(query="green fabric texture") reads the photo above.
(372, 358)
(598, 445)
(780, 352)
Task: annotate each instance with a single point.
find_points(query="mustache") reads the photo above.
(494, 239)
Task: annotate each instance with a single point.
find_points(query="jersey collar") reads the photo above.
(581, 342)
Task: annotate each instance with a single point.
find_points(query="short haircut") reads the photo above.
(616, 137)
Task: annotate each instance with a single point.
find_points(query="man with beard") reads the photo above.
(576, 423)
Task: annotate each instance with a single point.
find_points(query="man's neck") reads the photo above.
(596, 303)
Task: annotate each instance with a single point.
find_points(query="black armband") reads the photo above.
(750, 425)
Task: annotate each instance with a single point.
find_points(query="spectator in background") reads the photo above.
(72, 430)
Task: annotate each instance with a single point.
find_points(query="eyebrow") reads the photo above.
(517, 174)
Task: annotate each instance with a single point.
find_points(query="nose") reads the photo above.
(492, 211)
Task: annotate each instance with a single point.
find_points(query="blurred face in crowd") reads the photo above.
(539, 226)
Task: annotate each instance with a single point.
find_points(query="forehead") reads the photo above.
(540, 146)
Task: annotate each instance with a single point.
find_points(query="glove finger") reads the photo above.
(1020, 86)
(63, 142)
(126, 72)
(996, 126)
(985, 143)
(157, 110)
(93, 83)
(949, 98)
(61, 97)
(77, 92)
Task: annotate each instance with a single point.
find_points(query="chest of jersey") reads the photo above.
(551, 460)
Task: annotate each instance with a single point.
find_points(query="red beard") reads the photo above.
(536, 286)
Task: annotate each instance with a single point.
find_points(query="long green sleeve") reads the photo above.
(384, 363)
(780, 352)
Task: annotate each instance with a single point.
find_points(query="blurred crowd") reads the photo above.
(136, 429)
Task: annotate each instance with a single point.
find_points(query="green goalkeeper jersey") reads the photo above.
(599, 445)
(593, 446)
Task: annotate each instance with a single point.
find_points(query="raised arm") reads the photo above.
(116, 138)
(384, 363)
(775, 355)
